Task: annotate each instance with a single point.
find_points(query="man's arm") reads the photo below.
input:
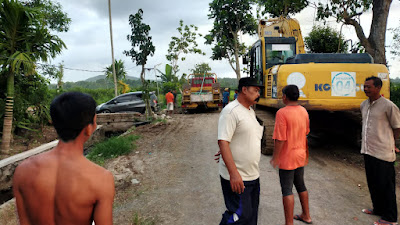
(237, 184)
(104, 205)
(17, 179)
(277, 150)
(396, 134)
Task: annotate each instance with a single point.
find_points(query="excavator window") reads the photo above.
(279, 53)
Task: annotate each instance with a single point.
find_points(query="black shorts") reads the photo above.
(290, 177)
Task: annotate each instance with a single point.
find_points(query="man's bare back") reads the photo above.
(61, 186)
(57, 188)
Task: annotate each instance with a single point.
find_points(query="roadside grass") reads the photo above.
(159, 121)
(112, 148)
(138, 219)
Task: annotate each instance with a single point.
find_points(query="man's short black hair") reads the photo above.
(70, 113)
(292, 92)
(376, 80)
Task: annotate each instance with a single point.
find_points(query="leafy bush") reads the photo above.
(111, 148)
(30, 92)
(99, 95)
(167, 86)
(325, 40)
(395, 93)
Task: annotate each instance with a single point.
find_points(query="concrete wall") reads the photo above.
(8, 165)
(106, 122)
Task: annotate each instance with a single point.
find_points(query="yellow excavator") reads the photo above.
(327, 81)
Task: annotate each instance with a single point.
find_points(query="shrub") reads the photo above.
(112, 148)
(395, 93)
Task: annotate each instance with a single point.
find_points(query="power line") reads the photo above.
(51, 65)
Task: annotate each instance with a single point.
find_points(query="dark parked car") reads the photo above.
(129, 102)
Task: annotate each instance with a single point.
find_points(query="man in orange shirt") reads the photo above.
(169, 97)
(290, 153)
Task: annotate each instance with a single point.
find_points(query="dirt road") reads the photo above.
(171, 178)
(181, 183)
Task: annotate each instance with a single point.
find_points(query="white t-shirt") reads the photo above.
(239, 126)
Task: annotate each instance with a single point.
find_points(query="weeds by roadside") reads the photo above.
(140, 220)
(112, 148)
(159, 121)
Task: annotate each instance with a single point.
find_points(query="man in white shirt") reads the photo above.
(239, 140)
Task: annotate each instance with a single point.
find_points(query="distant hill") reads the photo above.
(396, 80)
(100, 77)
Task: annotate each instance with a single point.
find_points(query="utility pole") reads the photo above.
(155, 74)
(112, 50)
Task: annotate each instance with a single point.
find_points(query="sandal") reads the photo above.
(368, 211)
(384, 222)
(298, 217)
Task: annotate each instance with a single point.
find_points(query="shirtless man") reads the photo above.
(62, 186)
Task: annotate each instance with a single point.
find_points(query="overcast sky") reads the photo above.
(88, 40)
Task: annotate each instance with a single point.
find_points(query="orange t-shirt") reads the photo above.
(292, 126)
(169, 97)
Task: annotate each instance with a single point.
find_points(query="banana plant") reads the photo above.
(168, 76)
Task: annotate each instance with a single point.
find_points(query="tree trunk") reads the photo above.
(142, 75)
(146, 94)
(237, 69)
(380, 13)
(375, 43)
(8, 115)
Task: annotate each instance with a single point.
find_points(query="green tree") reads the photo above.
(60, 76)
(282, 7)
(231, 18)
(325, 40)
(349, 11)
(201, 68)
(185, 43)
(55, 18)
(395, 93)
(396, 41)
(142, 47)
(120, 73)
(53, 72)
(24, 38)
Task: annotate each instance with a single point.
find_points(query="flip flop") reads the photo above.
(379, 222)
(368, 211)
(298, 217)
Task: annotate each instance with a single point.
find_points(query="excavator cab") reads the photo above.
(278, 50)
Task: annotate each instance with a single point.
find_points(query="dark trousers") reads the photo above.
(381, 178)
(242, 209)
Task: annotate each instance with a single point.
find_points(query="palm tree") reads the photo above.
(24, 39)
(120, 73)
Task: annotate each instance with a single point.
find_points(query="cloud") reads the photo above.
(88, 39)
